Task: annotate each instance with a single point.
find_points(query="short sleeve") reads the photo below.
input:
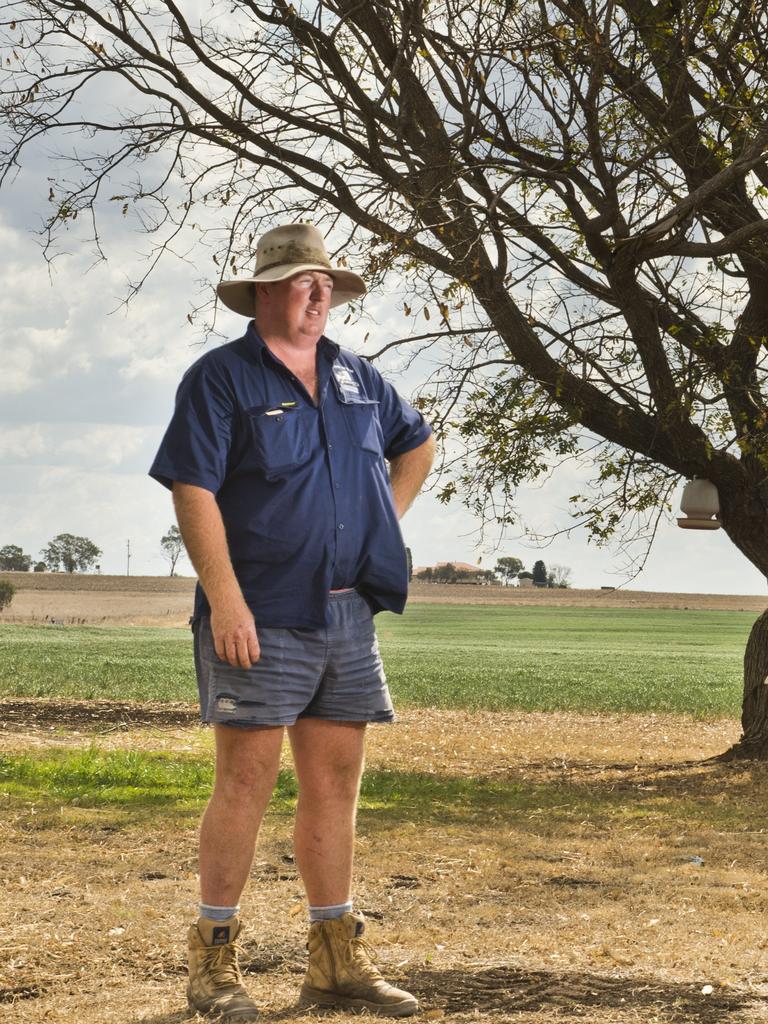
(196, 444)
(403, 426)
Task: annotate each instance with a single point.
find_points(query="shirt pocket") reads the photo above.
(280, 438)
(361, 416)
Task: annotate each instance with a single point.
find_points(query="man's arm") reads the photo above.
(407, 472)
(202, 529)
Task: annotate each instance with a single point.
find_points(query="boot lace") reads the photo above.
(361, 955)
(220, 963)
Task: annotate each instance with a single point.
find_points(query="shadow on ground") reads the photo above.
(506, 991)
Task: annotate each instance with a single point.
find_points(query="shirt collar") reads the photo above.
(327, 347)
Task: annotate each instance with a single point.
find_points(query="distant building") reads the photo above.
(459, 566)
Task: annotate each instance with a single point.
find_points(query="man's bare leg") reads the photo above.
(247, 762)
(329, 762)
(328, 757)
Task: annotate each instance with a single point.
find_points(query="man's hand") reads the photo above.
(201, 525)
(234, 634)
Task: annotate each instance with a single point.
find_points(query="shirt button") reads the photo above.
(330, 446)
(341, 526)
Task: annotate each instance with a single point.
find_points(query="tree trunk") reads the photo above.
(744, 516)
(753, 744)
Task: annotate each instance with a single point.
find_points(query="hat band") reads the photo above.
(293, 254)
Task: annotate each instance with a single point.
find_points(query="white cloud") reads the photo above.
(18, 372)
(65, 323)
(162, 366)
(87, 445)
(21, 442)
(106, 444)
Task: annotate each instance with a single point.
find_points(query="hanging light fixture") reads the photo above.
(701, 506)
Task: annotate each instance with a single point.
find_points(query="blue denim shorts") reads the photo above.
(333, 673)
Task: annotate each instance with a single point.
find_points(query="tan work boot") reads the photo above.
(341, 973)
(215, 983)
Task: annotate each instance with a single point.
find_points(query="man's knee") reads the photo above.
(247, 779)
(336, 782)
(246, 772)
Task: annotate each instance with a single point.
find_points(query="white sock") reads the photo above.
(218, 913)
(329, 913)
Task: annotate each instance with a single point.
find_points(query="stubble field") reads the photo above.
(164, 601)
(543, 837)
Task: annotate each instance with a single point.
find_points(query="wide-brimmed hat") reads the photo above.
(282, 252)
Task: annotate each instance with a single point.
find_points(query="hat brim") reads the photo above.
(238, 295)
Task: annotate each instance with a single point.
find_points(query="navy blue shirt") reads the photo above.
(303, 489)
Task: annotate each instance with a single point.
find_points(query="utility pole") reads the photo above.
(128, 558)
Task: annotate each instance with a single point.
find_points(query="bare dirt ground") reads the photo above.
(576, 898)
(623, 880)
(158, 600)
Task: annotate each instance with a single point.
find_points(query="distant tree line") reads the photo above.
(65, 552)
(449, 573)
(505, 571)
(69, 553)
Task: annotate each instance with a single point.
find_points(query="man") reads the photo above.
(276, 458)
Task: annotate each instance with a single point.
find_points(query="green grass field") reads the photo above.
(547, 659)
(452, 656)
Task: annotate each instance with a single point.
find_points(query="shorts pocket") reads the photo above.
(243, 696)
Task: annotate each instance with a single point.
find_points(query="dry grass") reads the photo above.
(161, 600)
(575, 903)
(93, 599)
(95, 608)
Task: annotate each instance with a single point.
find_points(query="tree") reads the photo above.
(172, 546)
(70, 553)
(40, 567)
(571, 198)
(7, 590)
(559, 576)
(13, 559)
(508, 568)
(444, 573)
(409, 560)
(468, 576)
(425, 574)
(539, 574)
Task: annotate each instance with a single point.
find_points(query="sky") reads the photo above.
(87, 388)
